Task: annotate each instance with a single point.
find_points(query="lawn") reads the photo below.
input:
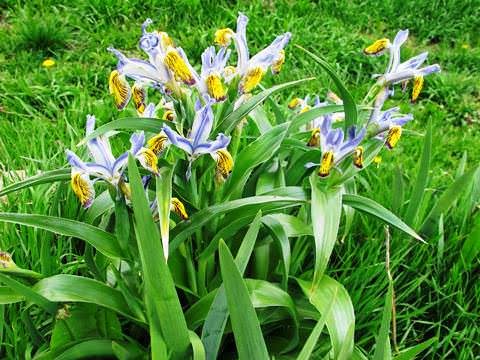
(436, 289)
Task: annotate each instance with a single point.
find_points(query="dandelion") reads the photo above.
(48, 63)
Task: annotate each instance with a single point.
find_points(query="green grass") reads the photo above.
(42, 112)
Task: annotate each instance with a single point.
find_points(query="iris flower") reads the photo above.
(335, 147)
(390, 122)
(400, 72)
(211, 80)
(104, 165)
(166, 66)
(251, 70)
(197, 143)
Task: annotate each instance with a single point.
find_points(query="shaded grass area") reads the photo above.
(42, 112)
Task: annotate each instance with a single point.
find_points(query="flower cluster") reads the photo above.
(385, 125)
(168, 72)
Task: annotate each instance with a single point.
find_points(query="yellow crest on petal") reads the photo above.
(294, 103)
(169, 115)
(149, 160)
(314, 140)
(393, 136)
(179, 67)
(377, 48)
(82, 188)
(377, 160)
(6, 261)
(119, 88)
(251, 79)
(157, 143)
(178, 208)
(139, 95)
(224, 163)
(223, 37)
(417, 87)
(358, 157)
(277, 65)
(326, 164)
(215, 87)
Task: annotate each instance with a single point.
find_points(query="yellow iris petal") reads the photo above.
(215, 87)
(168, 115)
(6, 261)
(178, 208)
(358, 157)
(417, 87)
(83, 189)
(119, 88)
(314, 140)
(223, 37)
(149, 160)
(224, 163)
(326, 164)
(252, 79)
(377, 48)
(294, 103)
(277, 65)
(139, 95)
(179, 67)
(157, 143)
(393, 136)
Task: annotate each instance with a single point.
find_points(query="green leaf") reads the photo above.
(339, 314)
(326, 210)
(255, 203)
(245, 324)
(72, 288)
(412, 352)
(373, 208)
(382, 345)
(100, 205)
(197, 346)
(29, 294)
(103, 241)
(292, 225)
(259, 115)
(308, 116)
(130, 123)
(44, 178)
(471, 246)
(350, 107)
(164, 199)
(232, 119)
(217, 316)
(445, 201)
(122, 224)
(84, 349)
(309, 345)
(9, 296)
(422, 179)
(164, 312)
(256, 153)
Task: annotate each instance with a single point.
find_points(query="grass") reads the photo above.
(42, 112)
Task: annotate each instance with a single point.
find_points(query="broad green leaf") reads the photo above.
(326, 209)
(446, 200)
(232, 119)
(44, 178)
(308, 116)
(350, 107)
(382, 345)
(256, 153)
(100, 205)
(309, 345)
(373, 208)
(217, 316)
(83, 349)
(422, 179)
(164, 198)
(253, 204)
(471, 246)
(164, 312)
(122, 224)
(29, 294)
(412, 352)
(245, 324)
(292, 225)
(131, 123)
(340, 317)
(279, 234)
(103, 241)
(9, 296)
(197, 346)
(72, 288)
(260, 117)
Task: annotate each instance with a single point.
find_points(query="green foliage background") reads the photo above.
(42, 112)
